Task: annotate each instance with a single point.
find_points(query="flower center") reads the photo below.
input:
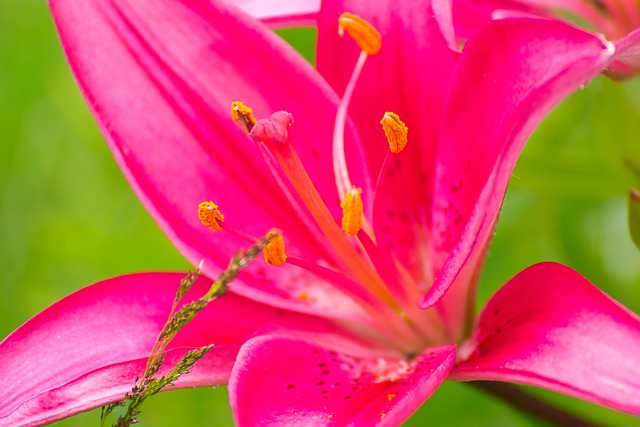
(367, 273)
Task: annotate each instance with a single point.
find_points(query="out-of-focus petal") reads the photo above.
(628, 49)
(311, 384)
(509, 76)
(283, 13)
(551, 328)
(160, 77)
(87, 349)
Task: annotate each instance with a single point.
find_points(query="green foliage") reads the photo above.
(634, 216)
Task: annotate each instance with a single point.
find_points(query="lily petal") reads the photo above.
(470, 15)
(509, 76)
(283, 13)
(628, 49)
(160, 77)
(87, 349)
(310, 384)
(549, 327)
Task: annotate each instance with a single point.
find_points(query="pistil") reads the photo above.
(273, 134)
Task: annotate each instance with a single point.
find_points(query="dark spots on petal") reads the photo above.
(290, 386)
(320, 383)
(325, 372)
(321, 365)
(337, 384)
(325, 391)
(455, 185)
(347, 397)
(496, 312)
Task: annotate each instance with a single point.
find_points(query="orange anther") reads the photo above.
(274, 250)
(352, 209)
(396, 132)
(242, 115)
(210, 215)
(365, 34)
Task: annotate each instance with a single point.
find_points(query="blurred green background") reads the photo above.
(68, 218)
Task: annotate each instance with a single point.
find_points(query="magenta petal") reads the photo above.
(86, 350)
(551, 328)
(509, 76)
(283, 13)
(288, 381)
(470, 15)
(160, 77)
(628, 49)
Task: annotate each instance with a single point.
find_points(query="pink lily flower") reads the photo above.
(617, 20)
(334, 334)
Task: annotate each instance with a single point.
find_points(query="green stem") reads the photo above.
(531, 405)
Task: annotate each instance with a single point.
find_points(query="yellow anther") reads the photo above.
(365, 34)
(210, 215)
(274, 250)
(352, 212)
(390, 396)
(243, 115)
(396, 132)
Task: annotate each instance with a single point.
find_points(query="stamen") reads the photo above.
(243, 115)
(365, 34)
(210, 215)
(369, 40)
(396, 132)
(274, 250)
(352, 212)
